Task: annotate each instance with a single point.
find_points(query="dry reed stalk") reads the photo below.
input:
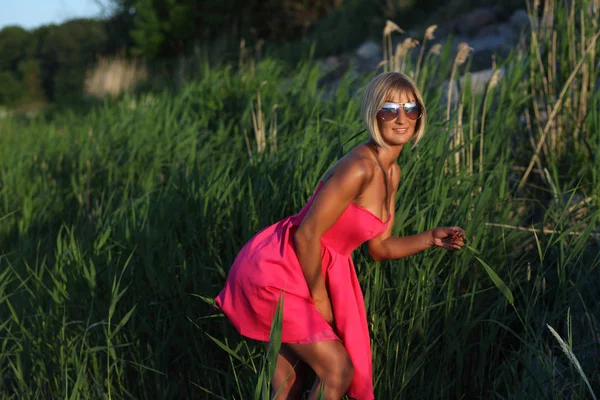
(428, 36)
(550, 95)
(390, 27)
(538, 55)
(248, 146)
(436, 50)
(535, 44)
(551, 77)
(571, 35)
(551, 183)
(544, 231)
(494, 79)
(459, 158)
(471, 127)
(557, 107)
(533, 13)
(402, 50)
(587, 200)
(242, 53)
(381, 63)
(532, 140)
(547, 19)
(571, 356)
(258, 49)
(521, 169)
(584, 87)
(461, 57)
(273, 130)
(258, 121)
(534, 92)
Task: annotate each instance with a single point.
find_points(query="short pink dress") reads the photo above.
(267, 265)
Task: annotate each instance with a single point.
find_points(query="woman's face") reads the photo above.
(397, 129)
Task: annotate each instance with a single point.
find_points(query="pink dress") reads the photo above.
(267, 266)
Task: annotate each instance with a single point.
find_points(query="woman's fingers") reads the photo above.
(454, 242)
(450, 238)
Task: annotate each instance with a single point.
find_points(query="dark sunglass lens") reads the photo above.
(388, 114)
(412, 110)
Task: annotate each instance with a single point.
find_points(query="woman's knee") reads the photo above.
(340, 373)
(283, 380)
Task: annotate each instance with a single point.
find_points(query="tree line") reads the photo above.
(48, 64)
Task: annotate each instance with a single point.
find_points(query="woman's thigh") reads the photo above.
(323, 357)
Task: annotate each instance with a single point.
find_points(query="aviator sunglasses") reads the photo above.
(390, 111)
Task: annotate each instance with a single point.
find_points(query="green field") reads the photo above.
(117, 229)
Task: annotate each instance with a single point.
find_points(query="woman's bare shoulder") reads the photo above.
(357, 164)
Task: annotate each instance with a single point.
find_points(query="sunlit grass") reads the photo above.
(118, 228)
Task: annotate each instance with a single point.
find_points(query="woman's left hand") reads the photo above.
(449, 238)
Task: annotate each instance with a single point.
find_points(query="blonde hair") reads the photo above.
(381, 88)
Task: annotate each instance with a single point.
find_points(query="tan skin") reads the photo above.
(356, 178)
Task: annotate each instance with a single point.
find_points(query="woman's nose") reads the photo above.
(401, 117)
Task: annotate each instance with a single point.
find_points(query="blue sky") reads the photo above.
(33, 13)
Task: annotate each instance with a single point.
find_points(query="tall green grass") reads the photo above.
(117, 229)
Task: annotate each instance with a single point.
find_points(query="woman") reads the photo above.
(307, 257)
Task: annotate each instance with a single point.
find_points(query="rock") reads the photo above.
(519, 21)
(486, 43)
(367, 56)
(488, 31)
(479, 83)
(369, 50)
(480, 79)
(333, 68)
(498, 41)
(475, 20)
(330, 63)
(503, 31)
(509, 34)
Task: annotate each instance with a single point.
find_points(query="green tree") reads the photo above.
(10, 89)
(149, 31)
(67, 51)
(31, 81)
(46, 60)
(168, 28)
(14, 41)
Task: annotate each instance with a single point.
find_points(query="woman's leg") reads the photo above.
(331, 363)
(288, 380)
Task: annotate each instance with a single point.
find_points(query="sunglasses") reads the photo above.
(390, 111)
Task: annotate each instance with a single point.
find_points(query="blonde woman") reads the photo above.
(307, 257)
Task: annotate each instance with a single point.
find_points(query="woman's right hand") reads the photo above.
(323, 305)
(449, 238)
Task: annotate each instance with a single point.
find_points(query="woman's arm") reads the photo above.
(393, 248)
(388, 247)
(343, 187)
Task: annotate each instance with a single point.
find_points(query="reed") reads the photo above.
(426, 37)
(118, 228)
(388, 50)
(461, 57)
